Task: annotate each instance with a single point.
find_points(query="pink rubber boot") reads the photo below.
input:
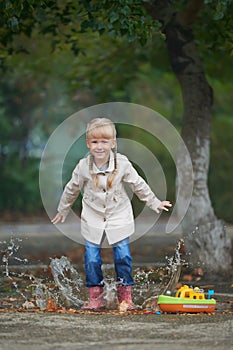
(96, 300)
(125, 298)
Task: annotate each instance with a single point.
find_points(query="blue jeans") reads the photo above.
(122, 262)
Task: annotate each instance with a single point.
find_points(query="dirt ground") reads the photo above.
(27, 331)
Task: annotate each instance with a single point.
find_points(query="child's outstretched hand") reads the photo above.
(163, 206)
(57, 218)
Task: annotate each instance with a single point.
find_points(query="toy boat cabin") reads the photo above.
(187, 299)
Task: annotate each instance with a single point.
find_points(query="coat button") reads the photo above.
(104, 219)
(104, 190)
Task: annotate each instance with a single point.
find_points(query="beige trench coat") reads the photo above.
(108, 211)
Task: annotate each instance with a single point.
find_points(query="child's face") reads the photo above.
(100, 148)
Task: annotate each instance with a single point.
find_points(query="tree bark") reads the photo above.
(205, 235)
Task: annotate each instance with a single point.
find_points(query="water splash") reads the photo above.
(68, 288)
(68, 280)
(41, 295)
(65, 276)
(110, 292)
(174, 267)
(41, 291)
(8, 251)
(169, 278)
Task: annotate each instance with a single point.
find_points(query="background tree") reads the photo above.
(205, 235)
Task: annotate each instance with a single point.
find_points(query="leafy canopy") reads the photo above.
(64, 20)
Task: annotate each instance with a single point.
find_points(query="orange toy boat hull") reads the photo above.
(187, 299)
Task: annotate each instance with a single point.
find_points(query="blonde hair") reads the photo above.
(102, 128)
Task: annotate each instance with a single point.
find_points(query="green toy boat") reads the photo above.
(188, 300)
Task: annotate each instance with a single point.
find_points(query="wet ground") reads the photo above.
(64, 329)
(26, 331)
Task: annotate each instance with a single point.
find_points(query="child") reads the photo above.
(106, 209)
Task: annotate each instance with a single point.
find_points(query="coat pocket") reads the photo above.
(119, 196)
(88, 198)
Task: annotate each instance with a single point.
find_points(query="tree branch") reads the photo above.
(187, 16)
(164, 11)
(160, 10)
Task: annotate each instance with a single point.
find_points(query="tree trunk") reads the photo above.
(205, 235)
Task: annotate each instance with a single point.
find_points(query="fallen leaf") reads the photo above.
(123, 306)
(28, 305)
(72, 310)
(51, 305)
(62, 310)
(187, 278)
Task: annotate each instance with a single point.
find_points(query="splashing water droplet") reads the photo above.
(67, 279)
(41, 296)
(110, 292)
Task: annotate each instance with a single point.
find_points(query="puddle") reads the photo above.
(60, 285)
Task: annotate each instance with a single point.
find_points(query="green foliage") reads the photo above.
(32, 103)
(220, 175)
(62, 22)
(119, 18)
(219, 8)
(19, 185)
(214, 28)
